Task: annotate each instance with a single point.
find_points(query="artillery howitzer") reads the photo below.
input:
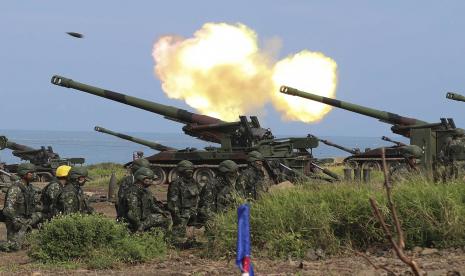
(45, 159)
(455, 96)
(439, 143)
(372, 158)
(150, 144)
(236, 139)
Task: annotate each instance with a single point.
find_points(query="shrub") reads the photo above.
(97, 241)
(334, 216)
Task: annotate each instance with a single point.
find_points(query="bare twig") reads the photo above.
(392, 207)
(400, 253)
(399, 245)
(375, 266)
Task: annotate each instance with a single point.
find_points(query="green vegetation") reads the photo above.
(101, 173)
(93, 240)
(336, 216)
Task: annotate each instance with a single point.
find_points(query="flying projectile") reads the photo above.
(74, 34)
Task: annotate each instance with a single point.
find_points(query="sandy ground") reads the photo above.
(188, 262)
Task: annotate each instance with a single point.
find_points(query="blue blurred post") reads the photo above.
(243, 241)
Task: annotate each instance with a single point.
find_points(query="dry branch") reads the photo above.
(399, 245)
(392, 207)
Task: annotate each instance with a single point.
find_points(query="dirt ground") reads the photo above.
(188, 262)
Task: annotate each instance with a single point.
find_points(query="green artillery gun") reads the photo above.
(372, 158)
(455, 96)
(236, 139)
(440, 143)
(45, 159)
(150, 144)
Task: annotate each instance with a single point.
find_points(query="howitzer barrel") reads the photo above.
(455, 96)
(4, 143)
(170, 112)
(387, 117)
(385, 138)
(331, 144)
(144, 142)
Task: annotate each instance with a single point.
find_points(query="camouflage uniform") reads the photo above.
(253, 182)
(222, 188)
(183, 198)
(139, 208)
(71, 199)
(19, 210)
(126, 182)
(454, 152)
(49, 196)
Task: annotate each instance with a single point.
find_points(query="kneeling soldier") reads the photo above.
(71, 198)
(52, 190)
(183, 199)
(223, 186)
(140, 208)
(127, 181)
(253, 181)
(20, 209)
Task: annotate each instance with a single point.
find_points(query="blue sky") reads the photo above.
(398, 56)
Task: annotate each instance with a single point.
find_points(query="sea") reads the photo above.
(97, 147)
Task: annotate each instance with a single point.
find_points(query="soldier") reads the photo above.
(140, 208)
(253, 181)
(183, 198)
(71, 199)
(52, 190)
(454, 149)
(19, 210)
(126, 182)
(222, 188)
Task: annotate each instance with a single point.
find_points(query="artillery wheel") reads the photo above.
(203, 175)
(172, 175)
(161, 175)
(352, 164)
(372, 165)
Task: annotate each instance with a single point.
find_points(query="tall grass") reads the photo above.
(101, 173)
(334, 216)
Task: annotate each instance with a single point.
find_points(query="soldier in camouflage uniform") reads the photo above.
(222, 189)
(52, 190)
(253, 181)
(454, 152)
(20, 211)
(71, 199)
(127, 181)
(140, 208)
(183, 198)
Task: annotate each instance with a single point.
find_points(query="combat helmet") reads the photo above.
(143, 173)
(77, 172)
(228, 166)
(62, 171)
(25, 168)
(185, 165)
(139, 163)
(254, 156)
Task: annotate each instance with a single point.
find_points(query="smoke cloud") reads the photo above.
(221, 71)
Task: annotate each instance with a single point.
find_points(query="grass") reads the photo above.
(101, 174)
(335, 216)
